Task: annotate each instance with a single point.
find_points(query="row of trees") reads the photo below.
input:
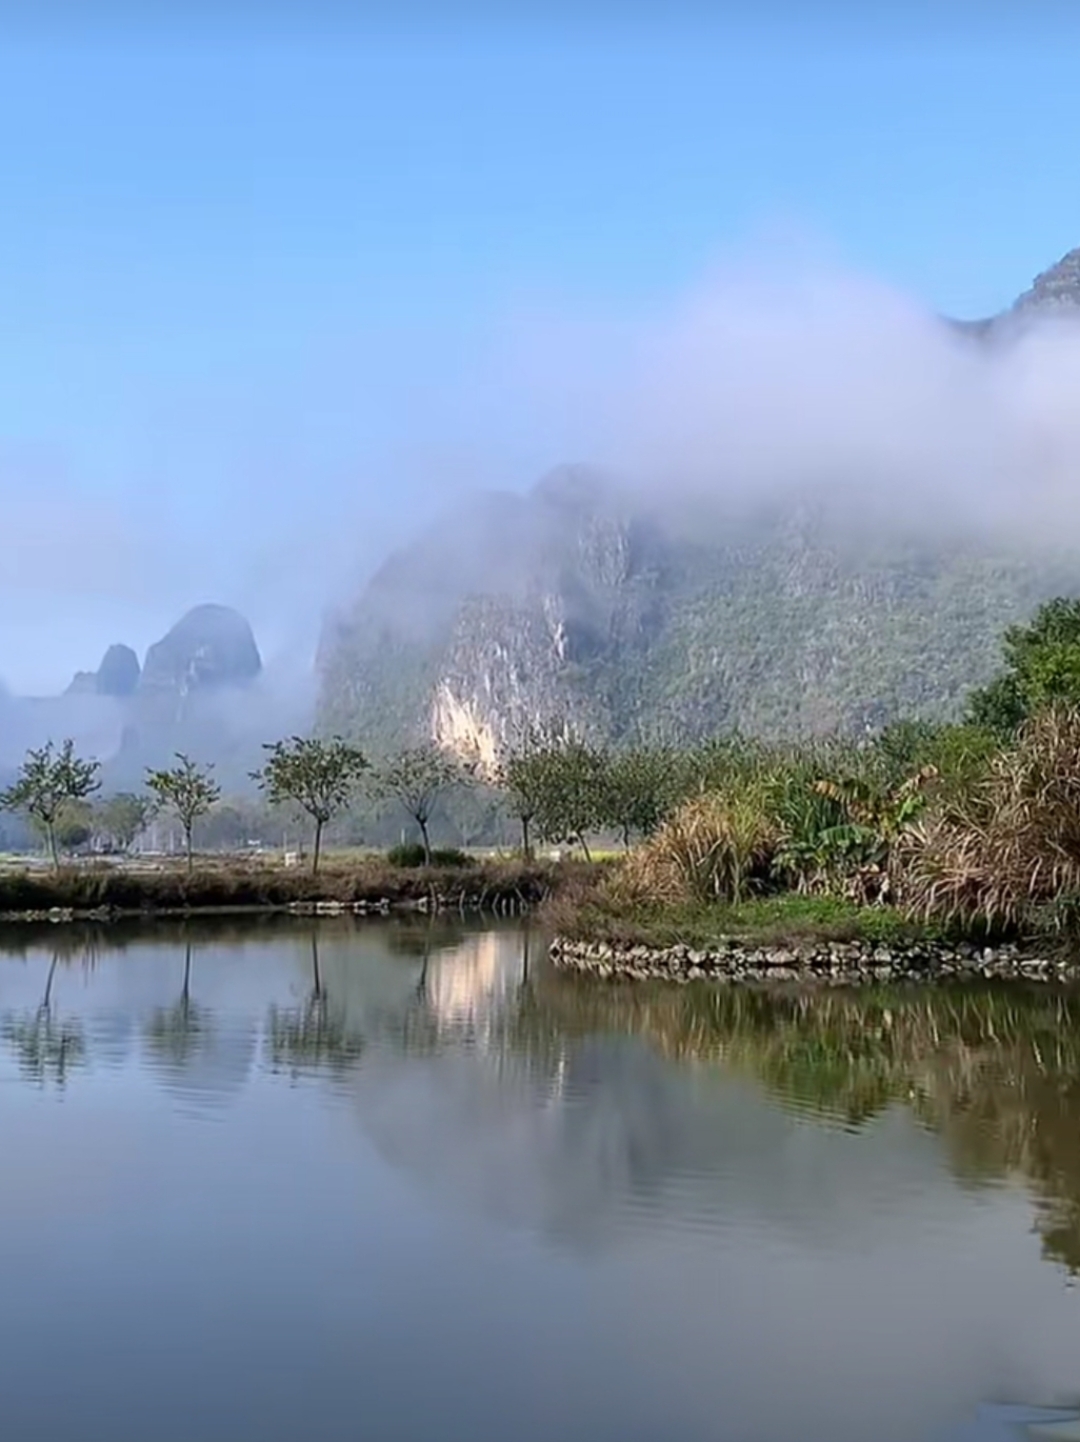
(563, 790)
(317, 776)
(560, 790)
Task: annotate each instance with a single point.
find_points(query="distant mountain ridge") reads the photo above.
(1053, 294)
(191, 693)
(575, 603)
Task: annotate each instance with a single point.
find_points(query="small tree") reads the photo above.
(319, 776)
(416, 779)
(522, 777)
(637, 790)
(49, 783)
(122, 817)
(1042, 668)
(571, 776)
(187, 789)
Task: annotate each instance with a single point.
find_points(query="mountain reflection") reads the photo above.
(566, 1103)
(995, 1073)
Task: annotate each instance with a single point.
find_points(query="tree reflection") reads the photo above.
(45, 1046)
(314, 1036)
(175, 1033)
(995, 1072)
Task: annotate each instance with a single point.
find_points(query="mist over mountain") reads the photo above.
(830, 522)
(201, 689)
(816, 508)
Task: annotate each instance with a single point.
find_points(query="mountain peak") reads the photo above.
(1056, 288)
(209, 646)
(118, 675)
(1054, 293)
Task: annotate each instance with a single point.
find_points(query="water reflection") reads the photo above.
(685, 1185)
(46, 1046)
(316, 1034)
(994, 1074)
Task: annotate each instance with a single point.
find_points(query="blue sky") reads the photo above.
(256, 275)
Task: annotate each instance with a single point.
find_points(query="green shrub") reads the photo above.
(410, 854)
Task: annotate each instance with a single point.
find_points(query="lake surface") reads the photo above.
(367, 1181)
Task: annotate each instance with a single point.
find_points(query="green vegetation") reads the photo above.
(970, 829)
(49, 784)
(417, 779)
(189, 791)
(785, 919)
(317, 775)
(1042, 668)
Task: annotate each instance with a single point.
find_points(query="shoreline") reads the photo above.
(385, 906)
(731, 962)
(498, 888)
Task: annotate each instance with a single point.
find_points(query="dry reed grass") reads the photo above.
(716, 847)
(1009, 850)
(227, 886)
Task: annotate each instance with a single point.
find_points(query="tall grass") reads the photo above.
(716, 847)
(1006, 853)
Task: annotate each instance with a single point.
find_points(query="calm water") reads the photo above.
(376, 1182)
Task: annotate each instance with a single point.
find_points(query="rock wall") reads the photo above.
(823, 963)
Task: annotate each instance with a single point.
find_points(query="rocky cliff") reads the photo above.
(1053, 294)
(118, 675)
(767, 624)
(578, 604)
(195, 695)
(209, 648)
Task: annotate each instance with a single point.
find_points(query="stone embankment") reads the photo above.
(836, 963)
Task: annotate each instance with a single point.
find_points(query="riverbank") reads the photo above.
(850, 963)
(369, 886)
(782, 938)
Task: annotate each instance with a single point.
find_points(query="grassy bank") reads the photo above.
(584, 913)
(226, 886)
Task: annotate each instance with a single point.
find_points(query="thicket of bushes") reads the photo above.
(972, 827)
(410, 855)
(952, 826)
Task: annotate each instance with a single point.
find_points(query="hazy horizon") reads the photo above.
(274, 303)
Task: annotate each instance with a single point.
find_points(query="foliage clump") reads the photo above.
(51, 782)
(410, 855)
(1042, 669)
(317, 775)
